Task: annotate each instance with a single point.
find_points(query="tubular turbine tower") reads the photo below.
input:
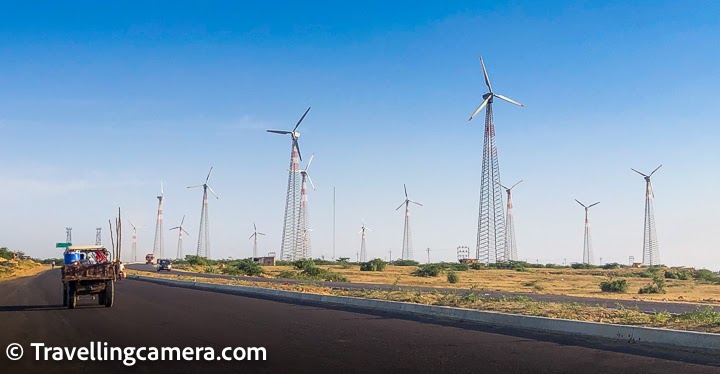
(510, 243)
(491, 223)
(587, 242)
(407, 250)
(203, 247)
(254, 236)
(159, 244)
(180, 229)
(363, 250)
(133, 247)
(303, 245)
(293, 238)
(651, 251)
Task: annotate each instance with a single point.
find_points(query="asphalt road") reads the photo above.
(298, 338)
(645, 306)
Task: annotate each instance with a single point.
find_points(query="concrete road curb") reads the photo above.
(697, 341)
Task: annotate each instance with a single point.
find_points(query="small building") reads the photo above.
(265, 261)
(468, 261)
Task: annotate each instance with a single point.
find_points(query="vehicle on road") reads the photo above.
(89, 270)
(150, 259)
(164, 265)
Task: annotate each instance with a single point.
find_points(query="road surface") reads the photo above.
(644, 306)
(298, 338)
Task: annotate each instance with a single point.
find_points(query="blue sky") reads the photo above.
(101, 102)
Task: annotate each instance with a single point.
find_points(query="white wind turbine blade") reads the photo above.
(513, 186)
(312, 156)
(185, 231)
(261, 234)
(509, 100)
(583, 205)
(199, 185)
(480, 108)
(255, 226)
(592, 205)
(415, 202)
(652, 192)
(501, 185)
(310, 180)
(279, 132)
(213, 192)
(162, 191)
(174, 228)
(297, 147)
(208, 177)
(252, 236)
(656, 169)
(405, 187)
(487, 80)
(401, 205)
(183, 221)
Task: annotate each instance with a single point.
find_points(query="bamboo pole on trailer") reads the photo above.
(111, 237)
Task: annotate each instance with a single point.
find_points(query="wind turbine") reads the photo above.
(510, 243)
(203, 248)
(587, 243)
(303, 247)
(254, 236)
(407, 252)
(651, 251)
(133, 247)
(363, 252)
(292, 233)
(491, 225)
(180, 236)
(159, 244)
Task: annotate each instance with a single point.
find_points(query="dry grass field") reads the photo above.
(10, 269)
(573, 282)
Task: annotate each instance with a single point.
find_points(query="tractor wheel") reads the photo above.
(101, 298)
(72, 297)
(65, 294)
(109, 293)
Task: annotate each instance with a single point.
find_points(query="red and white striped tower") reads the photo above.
(133, 251)
(587, 242)
(180, 238)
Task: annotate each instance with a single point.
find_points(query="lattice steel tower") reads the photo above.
(98, 236)
(407, 249)
(203, 247)
(491, 220)
(510, 243)
(587, 242)
(304, 249)
(651, 251)
(159, 243)
(293, 239)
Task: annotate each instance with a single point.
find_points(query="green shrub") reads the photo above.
(610, 266)
(555, 266)
(197, 260)
(657, 286)
(405, 263)
(211, 270)
(583, 266)
(706, 276)
(374, 265)
(677, 274)
(303, 264)
(6, 253)
(428, 270)
(249, 267)
(478, 266)
(289, 274)
(458, 266)
(453, 277)
(616, 285)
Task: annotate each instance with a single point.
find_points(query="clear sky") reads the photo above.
(100, 102)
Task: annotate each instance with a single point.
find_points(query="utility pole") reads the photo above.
(428, 251)
(333, 223)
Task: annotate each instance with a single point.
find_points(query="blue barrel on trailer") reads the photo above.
(71, 257)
